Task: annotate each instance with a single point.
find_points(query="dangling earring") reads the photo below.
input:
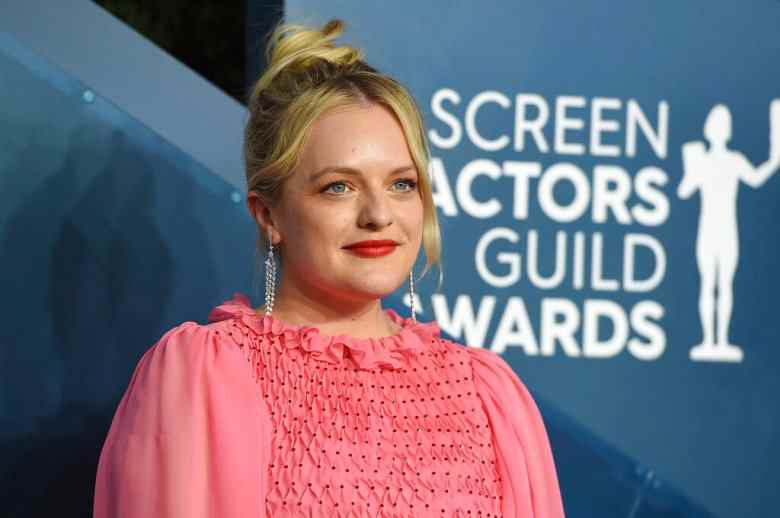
(411, 294)
(270, 278)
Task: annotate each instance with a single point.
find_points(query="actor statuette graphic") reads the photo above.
(716, 172)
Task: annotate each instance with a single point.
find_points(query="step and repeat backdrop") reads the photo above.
(606, 179)
(607, 182)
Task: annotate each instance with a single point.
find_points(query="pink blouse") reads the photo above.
(248, 416)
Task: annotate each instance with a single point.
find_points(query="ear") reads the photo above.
(263, 216)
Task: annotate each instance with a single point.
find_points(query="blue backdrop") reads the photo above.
(581, 241)
(557, 130)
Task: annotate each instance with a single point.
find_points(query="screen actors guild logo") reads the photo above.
(716, 172)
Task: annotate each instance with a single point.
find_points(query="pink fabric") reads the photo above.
(525, 461)
(188, 438)
(368, 353)
(248, 416)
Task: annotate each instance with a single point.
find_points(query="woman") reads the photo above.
(321, 403)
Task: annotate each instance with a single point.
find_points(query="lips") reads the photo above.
(373, 248)
(375, 243)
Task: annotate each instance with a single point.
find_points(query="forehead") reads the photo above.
(354, 136)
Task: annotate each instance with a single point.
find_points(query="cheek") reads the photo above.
(413, 222)
(321, 230)
(419, 215)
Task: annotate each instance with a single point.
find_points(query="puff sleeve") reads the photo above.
(524, 458)
(190, 436)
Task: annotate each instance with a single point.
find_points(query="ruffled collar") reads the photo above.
(367, 353)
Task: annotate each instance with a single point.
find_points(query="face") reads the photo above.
(355, 181)
(717, 127)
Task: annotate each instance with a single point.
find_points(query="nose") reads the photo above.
(375, 211)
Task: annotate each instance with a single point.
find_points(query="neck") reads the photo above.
(331, 313)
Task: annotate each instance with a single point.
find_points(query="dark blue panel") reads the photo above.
(109, 236)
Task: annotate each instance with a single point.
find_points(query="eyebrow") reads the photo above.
(355, 172)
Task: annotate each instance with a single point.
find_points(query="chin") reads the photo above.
(377, 288)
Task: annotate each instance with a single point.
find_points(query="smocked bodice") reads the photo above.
(388, 426)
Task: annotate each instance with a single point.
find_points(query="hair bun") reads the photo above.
(297, 46)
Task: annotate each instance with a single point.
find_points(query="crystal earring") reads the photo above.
(270, 278)
(411, 294)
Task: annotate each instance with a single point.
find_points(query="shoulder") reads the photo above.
(477, 357)
(493, 376)
(189, 350)
(739, 158)
(183, 338)
(486, 362)
(191, 335)
(190, 370)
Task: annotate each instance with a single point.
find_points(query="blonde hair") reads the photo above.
(307, 76)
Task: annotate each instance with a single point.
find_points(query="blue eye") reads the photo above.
(327, 187)
(411, 183)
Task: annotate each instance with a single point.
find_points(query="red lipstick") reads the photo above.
(372, 248)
